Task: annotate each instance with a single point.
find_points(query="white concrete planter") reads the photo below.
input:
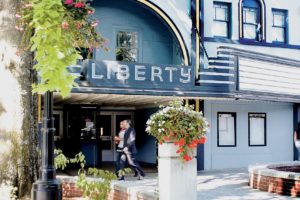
(176, 180)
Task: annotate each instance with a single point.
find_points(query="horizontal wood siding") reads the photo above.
(263, 76)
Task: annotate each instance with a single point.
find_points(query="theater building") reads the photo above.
(237, 61)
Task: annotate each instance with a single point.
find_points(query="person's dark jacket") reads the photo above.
(129, 140)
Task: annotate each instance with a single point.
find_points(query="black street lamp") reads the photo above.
(47, 187)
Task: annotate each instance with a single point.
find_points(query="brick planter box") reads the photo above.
(271, 178)
(120, 190)
(70, 191)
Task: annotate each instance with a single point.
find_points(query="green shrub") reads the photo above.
(95, 183)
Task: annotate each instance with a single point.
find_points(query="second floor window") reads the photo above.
(251, 25)
(221, 20)
(279, 31)
(127, 46)
(252, 20)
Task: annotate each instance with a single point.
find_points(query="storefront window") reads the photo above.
(127, 46)
(226, 129)
(257, 129)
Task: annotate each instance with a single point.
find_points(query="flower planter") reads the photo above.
(177, 180)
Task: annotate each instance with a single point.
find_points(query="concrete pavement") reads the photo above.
(231, 184)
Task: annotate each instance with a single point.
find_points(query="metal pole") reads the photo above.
(47, 187)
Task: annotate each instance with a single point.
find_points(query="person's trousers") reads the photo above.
(120, 161)
(133, 164)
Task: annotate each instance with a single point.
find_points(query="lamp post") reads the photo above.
(47, 187)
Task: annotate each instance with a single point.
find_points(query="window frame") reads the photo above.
(261, 34)
(265, 129)
(59, 134)
(258, 21)
(285, 27)
(218, 133)
(228, 22)
(138, 47)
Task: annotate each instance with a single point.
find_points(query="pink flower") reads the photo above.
(79, 5)
(94, 24)
(65, 25)
(105, 42)
(68, 2)
(18, 16)
(78, 25)
(90, 12)
(19, 28)
(18, 53)
(28, 5)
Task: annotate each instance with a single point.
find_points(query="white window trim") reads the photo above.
(265, 129)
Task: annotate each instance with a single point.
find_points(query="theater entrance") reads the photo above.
(89, 130)
(107, 126)
(88, 122)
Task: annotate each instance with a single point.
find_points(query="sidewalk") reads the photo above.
(229, 184)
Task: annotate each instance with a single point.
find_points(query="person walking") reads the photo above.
(119, 140)
(130, 149)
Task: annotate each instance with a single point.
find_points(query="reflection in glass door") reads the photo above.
(107, 126)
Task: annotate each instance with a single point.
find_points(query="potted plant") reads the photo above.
(178, 129)
(181, 125)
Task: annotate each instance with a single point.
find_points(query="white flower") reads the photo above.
(148, 129)
(159, 130)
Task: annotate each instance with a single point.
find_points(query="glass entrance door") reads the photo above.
(107, 126)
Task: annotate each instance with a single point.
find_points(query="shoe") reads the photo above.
(121, 178)
(140, 177)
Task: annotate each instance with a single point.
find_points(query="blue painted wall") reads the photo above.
(296, 121)
(146, 145)
(156, 43)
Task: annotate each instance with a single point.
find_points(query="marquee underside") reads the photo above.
(113, 99)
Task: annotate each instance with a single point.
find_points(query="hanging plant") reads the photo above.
(56, 30)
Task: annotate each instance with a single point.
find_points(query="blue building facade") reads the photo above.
(236, 61)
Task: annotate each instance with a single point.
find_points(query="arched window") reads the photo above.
(252, 19)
